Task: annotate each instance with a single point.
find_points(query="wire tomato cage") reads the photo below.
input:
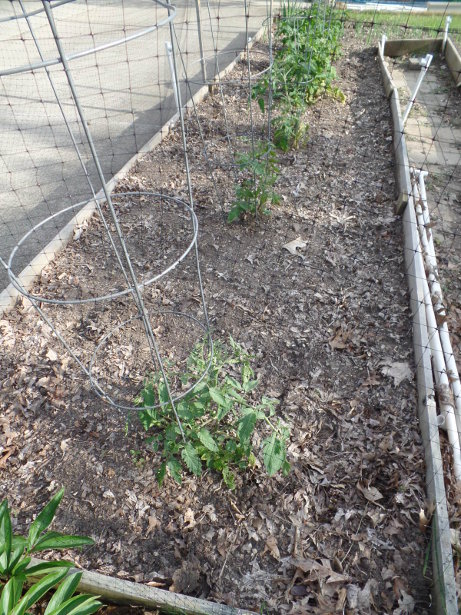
(142, 239)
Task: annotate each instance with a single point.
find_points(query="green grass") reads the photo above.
(402, 25)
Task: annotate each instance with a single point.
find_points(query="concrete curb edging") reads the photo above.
(442, 559)
(444, 8)
(10, 295)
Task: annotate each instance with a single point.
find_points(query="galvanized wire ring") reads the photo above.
(119, 293)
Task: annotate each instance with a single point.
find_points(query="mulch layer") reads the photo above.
(329, 326)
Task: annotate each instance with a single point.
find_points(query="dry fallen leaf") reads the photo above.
(406, 605)
(51, 355)
(370, 493)
(455, 539)
(398, 371)
(272, 547)
(5, 454)
(340, 340)
(371, 381)
(65, 445)
(292, 246)
(318, 571)
(189, 519)
(153, 524)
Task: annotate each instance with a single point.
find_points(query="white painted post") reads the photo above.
(425, 63)
(445, 33)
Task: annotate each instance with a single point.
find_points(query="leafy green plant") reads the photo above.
(218, 418)
(255, 193)
(15, 569)
(289, 131)
(137, 458)
(308, 40)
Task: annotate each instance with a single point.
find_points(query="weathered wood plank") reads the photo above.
(453, 60)
(389, 84)
(119, 591)
(442, 560)
(407, 46)
(402, 165)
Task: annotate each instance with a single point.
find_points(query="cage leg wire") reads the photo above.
(134, 287)
(73, 139)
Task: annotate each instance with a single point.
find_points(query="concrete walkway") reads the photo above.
(125, 92)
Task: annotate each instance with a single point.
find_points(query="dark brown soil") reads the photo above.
(330, 330)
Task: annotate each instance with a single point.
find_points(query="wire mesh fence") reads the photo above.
(132, 301)
(125, 90)
(425, 100)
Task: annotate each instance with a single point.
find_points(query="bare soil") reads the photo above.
(330, 330)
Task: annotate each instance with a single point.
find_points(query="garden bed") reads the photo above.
(330, 331)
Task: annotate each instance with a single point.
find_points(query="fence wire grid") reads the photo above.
(127, 93)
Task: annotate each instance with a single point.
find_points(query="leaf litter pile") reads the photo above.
(316, 292)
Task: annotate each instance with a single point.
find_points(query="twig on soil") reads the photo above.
(231, 548)
(357, 531)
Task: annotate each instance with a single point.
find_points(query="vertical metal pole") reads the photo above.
(136, 292)
(169, 55)
(74, 142)
(271, 61)
(186, 164)
(200, 39)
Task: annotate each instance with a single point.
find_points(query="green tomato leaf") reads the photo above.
(246, 426)
(175, 469)
(163, 393)
(286, 467)
(234, 214)
(206, 439)
(228, 477)
(171, 432)
(148, 395)
(250, 385)
(217, 397)
(161, 473)
(191, 459)
(273, 454)
(44, 519)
